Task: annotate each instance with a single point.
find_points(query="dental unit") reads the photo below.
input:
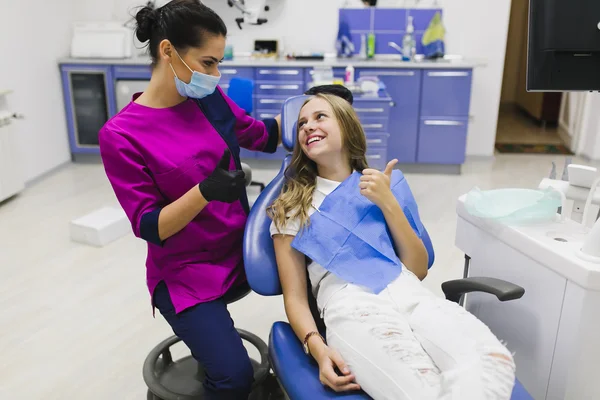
(581, 204)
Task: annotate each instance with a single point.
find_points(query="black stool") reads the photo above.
(182, 379)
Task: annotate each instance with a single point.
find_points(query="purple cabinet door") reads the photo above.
(442, 141)
(404, 86)
(446, 93)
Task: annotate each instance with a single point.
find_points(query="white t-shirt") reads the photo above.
(324, 283)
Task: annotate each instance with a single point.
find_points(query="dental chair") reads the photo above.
(297, 373)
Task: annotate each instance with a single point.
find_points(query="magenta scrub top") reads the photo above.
(152, 157)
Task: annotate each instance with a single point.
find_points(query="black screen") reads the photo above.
(563, 45)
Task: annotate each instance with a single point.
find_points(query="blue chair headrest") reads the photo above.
(241, 91)
(259, 254)
(289, 119)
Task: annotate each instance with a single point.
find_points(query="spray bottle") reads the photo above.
(408, 42)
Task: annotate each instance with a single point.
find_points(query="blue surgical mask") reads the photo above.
(200, 86)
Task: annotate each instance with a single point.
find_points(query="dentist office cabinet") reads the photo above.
(554, 329)
(422, 119)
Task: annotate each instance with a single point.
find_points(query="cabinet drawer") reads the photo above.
(338, 72)
(270, 103)
(263, 114)
(374, 124)
(132, 72)
(372, 109)
(279, 89)
(377, 139)
(377, 157)
(279, 74)
(446, 93)
(442, 141)
(231, 72)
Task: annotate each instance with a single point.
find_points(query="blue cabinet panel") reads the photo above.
(442, 141)
(404, 86)
(358, 19)
(132, 72)
(446, 93)
(377, 139)
(263, 114)
(279, 74)
(230, 72)
(279, 88)
(273, 103)
(375, 125)
(390, 19)
(377, 157)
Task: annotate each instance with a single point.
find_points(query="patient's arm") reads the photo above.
(292, 273)
(291, 265)
(409, 246)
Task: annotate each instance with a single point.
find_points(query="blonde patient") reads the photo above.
(404, 342)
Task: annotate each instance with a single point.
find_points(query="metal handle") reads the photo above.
(290, 87)
(267, 115)
(374, 141)
(375, 156)
(444, 123)
(270, 101)
(228, 71)
(373, 126)
(369, 110)
(389, 73)
(448, 73)
(278, 72)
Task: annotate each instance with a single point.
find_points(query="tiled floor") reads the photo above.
(516, 127)
(76, 321)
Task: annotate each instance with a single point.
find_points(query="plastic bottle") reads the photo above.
(408, 42)
(371, 45)
(363, 46)
(349, 79)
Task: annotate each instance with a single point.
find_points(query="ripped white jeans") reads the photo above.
(405, 343)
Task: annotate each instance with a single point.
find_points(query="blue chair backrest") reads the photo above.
(241, 91)
(259, 254)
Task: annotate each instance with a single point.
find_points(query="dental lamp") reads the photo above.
(251, 10)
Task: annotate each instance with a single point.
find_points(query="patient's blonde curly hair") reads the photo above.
(301, 175)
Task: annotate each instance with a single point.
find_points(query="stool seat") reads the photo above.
(183, 379)
(299, 373)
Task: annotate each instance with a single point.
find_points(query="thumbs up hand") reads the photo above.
(222, 184)
(375, 185)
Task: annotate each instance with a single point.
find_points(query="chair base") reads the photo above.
(182, 379)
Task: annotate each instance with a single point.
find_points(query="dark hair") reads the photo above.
(184, 23)
(336, 90)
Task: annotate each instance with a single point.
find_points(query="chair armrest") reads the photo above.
(503, 290)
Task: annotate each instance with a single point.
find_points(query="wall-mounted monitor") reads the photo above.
(563, 51)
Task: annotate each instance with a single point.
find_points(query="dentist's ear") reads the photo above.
(165, 49)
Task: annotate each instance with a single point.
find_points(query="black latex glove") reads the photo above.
(223, 185)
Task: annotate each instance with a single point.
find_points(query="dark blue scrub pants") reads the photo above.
(207, 329)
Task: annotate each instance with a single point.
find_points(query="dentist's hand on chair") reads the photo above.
(222, 184)
(375, 185)
(329, 360)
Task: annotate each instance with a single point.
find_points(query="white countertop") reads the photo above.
(537, 241)
(383, 61)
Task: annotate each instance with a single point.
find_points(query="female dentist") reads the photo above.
(172, 158)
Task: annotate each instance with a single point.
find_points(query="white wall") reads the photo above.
(311, 25)
(588, 136)
(30, 43)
